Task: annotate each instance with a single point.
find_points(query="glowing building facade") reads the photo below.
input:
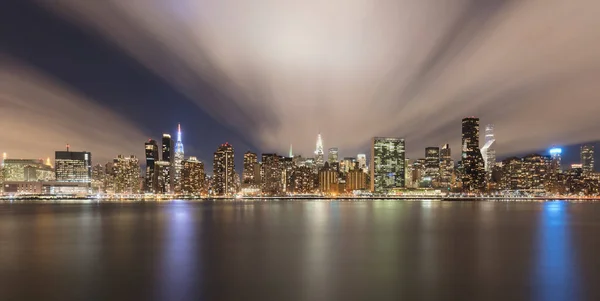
(474, 177)
(488, 152)
(192, 176)
(587, 158)
(151, 157)
(74, 167)
(319, 155)
(223, 182)
(387, 164)
(178, 158)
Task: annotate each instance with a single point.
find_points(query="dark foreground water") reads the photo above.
(309, 250)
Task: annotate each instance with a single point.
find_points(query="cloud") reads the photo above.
(39, 115)
(354, 69)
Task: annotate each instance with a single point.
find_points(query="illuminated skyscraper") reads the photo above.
(249, 172)
(178, 160)
(473, 164)
(333, 155)
(125, 174)
(587, 158)
(192, 176)
(168, 157)
(162, 177)
(556, 156)
(75, 167)
(387, 164)
(151, 158)
(319, 155)
(487, 151)
(432, 165)
(446, 167)
(272, 181)
(362, 162)
(224, 171)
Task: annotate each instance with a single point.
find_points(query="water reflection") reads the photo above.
(556, 275)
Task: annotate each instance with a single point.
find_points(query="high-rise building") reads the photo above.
(125, 174)
(178, 161)
(333, 155)
(362, 162)
(303, 180)
(151, 158)
(74, 167)
(587, 158)
(446, 167)
(192, 176)
(98, 179)
(347, 164)
(168, 156)
(387, 164)
(487, 151)
(224, 171)
(432, 165)
(287, 169)
(272, 175)
(250, 163)
(556, 156)
(319, 155)
(473, 165)
(162, 177)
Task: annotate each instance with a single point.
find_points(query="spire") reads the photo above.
(291, 152)
(179, 132)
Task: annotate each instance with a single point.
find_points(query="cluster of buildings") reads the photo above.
(389, 171)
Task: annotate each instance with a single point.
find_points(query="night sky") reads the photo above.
(105, 77)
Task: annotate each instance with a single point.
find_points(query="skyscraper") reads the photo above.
(272, 174)
(178, 160)
(556, 156)
(319, 155)
(473, 164)
(432, 165)
(333, 155)
(125, 174)
(387, 164)
(75, 167)
(446, 167)
(248, 174)
(587, 158)
(362, 162)
(168, 157)
(192, 176)
(151, 158)
(224, 171)
(487, 151)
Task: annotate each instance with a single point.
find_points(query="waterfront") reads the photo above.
(302, 250)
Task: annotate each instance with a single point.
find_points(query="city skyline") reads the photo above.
(263, 107)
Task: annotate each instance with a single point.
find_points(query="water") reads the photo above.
(303, 250)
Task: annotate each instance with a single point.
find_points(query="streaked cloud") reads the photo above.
(354, 69)
(39, 115)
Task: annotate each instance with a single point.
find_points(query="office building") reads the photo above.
(151, 157)
(488, 151)
(587, 158)
(556, 157)
(356, 179)
(387, 164)
(303, 180)
(223, 182)
(362, 162)
(328, 180)
(446, 167)
(432, 165)
(333, 155)
(27, 170)
(125, 174)
(162, 177)
(73, 167)
(169, 157)
(474, 177)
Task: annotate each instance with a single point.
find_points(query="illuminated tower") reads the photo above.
(224, 171)
(387, 164)
(487, 151)
(291, 152)
(473, 164)
(168, 159)
(333, 155)
(178, 160)
(151, 158)
(556, 155)
(319, 155)
(587, 158)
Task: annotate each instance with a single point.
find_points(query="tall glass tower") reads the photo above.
(179, 157)
(472, 159)
(587, 158)
(319, 155)
(488, 151)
